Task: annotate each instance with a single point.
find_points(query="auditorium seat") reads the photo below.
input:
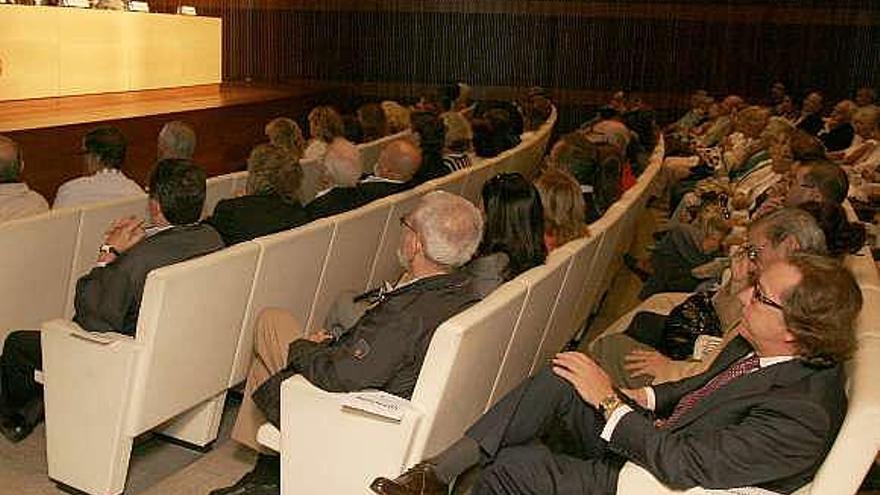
(218, 188)
(313, 171)
(370, 151)
(172, 376)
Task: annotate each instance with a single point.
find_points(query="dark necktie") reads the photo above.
(742, 367)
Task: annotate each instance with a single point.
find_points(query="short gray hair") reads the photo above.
(795, 223)
(450, 227)
(177, 140)
(343, 162)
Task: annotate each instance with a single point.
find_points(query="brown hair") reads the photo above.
(274, 170)
(325, 124)
(564, 209)
(821, 310)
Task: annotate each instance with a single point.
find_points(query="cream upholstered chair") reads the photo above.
(218, 188)
(313, 171)
(331, 450)
(94, 221)
(478, 176)
(287, 276)
(103, 389)
(525, 160)
(370, 151)
(35, 272)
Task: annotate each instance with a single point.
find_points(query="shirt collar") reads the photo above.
(376, 178)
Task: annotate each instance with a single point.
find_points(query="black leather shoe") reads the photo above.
(15, 428)
(418, 480)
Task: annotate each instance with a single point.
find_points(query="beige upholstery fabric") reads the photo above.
(370, 151)
(217, 188)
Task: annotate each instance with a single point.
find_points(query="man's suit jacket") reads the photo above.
(337, 200)
(770, 429)
(248, 217)
(374, 189)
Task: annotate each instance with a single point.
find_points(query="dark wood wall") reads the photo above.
(582, 48)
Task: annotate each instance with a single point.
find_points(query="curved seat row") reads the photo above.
(194, 335)
(474, 359)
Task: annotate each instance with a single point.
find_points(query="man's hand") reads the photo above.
(125, 233)
(319, 337)
(590, 381)
(645, 363)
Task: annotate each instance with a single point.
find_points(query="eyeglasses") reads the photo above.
(405, 223)
(751, 251)
(758, 295)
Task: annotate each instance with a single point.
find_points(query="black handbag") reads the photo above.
(694, 317)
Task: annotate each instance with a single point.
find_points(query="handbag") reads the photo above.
(694, 317)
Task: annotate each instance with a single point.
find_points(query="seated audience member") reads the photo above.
(384, 349)
(271, 203)
(342, 164)
(513, 237)
(325, 125)
(394, 172)
(536, 110)
(863, 156)
(455, 97)
(564, 210)
(778, 93)
(696, 115)
(397, 116)
(103, 151)
(720, 123)
(744, 148)
(815, 180)
(17, 200)
(459, 136)
(430, 133)
(351, 129)
(108, 298)
(842, 237)
(657, 348)
(865, 96)
(838, 133)
(373, 122)
(494, 133)
(285, 133)
(177, 140)
(575, 154)
(810, 119)
(764, 415)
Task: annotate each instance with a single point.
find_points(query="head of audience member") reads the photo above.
(441, 234)
(751, 121)
(11, 162)
(429, 101)
(373, 122)
(866, 122)
(577, 155)
(812, 103)
(777, 93)
(430, 131)
(449, 95)
(842, 113)
(325, 124)
(841, 236)
(806, 147)
(776, 139)
(177, 192)
(732, 104)
(274, 170)
(537, 110)
(397, 116)
(865, 96)
(514, 222)
(817, 181)
(780, 234)
(786, 108)
(459, 135)
(698, 99)
(493, 133)
(176, 140)
(343, 163)
(564, 208)
(285, 133)
(102, 148)
(612, 132)
(351, 129)
(399, 160)
(805, 307)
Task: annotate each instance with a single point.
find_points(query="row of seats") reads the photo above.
(195, 328)
(474, 359)
(857, 442)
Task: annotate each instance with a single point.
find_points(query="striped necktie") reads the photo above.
(742, 367)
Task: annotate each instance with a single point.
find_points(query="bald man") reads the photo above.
(17, 200)
(394, 172)
(342, 169)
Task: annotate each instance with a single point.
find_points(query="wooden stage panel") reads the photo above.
(228, 119)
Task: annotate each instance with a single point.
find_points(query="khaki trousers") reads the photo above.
(274, 330)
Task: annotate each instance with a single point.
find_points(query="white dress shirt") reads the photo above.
(104, 185)
(17, 201)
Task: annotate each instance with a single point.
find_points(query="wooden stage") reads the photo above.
(228, 119)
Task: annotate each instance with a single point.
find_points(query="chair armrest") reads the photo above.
(270, 437)
(70, 329)
(636, 480)
(328, 449)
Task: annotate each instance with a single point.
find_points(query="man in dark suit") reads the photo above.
(108, 298)
(765, 414)
(398, 163)
(342, 164)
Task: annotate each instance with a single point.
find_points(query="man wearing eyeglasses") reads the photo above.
(764, 415)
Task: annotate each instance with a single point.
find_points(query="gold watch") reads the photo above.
(609, 404)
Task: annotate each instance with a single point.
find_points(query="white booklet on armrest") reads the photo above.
(378, 403)
(704, 345)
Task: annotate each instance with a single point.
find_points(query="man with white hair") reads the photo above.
(342, 169)
(176, 140)
(397, 165)
(385, 348)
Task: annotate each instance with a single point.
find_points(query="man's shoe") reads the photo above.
(15, 428)
(418, 480)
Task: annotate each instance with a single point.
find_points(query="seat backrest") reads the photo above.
(188, 329)
(313, 170)
(218, 188)
(37, 257)
(287, 276)
(478, 176)
(94, 221)
(452, 183)
(543, 284)
(370, 151)
(356, 238)
(460, 369)
(386, 266)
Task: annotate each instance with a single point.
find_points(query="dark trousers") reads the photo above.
(20, 393)
(542, 438)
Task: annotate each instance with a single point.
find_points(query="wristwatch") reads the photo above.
(108, 249)
(609, 404)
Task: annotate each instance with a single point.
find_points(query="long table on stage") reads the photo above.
(229, 120)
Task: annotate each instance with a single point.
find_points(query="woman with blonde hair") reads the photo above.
(397, 116)
(325, 125)
(285, 133)
(564, 208)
